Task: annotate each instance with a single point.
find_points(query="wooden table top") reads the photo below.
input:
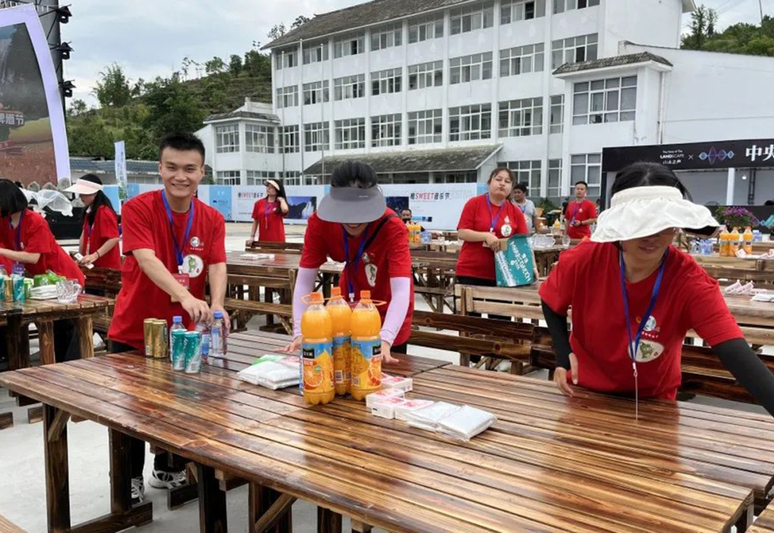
(765, 522)
(41, 307)
(280, 263)
(548, 463)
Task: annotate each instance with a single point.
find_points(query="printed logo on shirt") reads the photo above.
(195, 242)
(193, 265)
(649, 351)
(650, 325)
(370, 271)
(506, 230)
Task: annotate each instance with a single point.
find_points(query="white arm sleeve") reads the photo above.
(304, 285)
(396, 312)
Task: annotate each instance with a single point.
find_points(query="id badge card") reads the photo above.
(184, 280)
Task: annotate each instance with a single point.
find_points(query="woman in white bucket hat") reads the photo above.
(632, 292)
(98, 244)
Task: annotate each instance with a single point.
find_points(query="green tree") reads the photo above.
(172, 107)
(113, 89)
(77, 107)
(235, 65)
(214, 66)
(277, 31)
(300, 21)
(742, 38)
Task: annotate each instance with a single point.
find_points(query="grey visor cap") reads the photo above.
(352, 205)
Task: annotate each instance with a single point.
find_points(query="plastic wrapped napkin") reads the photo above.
(430, 417)
(466, 423)
(272, 372)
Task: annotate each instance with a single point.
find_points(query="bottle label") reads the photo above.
(341, 359)
(367, 363)
(318, 366)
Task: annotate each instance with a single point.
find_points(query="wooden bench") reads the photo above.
(7, 527)
(275, 247)
(764, 522)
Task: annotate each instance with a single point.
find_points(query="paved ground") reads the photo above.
(22, 488)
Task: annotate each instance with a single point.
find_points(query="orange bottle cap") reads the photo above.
(316, 298)
(335, 291)
(365, 295)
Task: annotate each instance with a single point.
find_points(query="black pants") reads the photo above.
(165, 462)
(66, 345)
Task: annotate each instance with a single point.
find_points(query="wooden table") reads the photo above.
(549, 462)
(759, 271)
(765, 522)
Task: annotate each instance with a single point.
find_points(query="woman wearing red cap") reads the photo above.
(269, 214)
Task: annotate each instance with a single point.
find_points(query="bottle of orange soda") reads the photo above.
(317, 332)
(734, 243)
(366, 348)
(341, 316)
(724, 242)
(748, 240)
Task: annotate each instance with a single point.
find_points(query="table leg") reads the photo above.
(260, 502)
(6, 420)
(85, 329)
(57, 473)
(18, 348)
(46, 338)
(212, 502)
(328, 521)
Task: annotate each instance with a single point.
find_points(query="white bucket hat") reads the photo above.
(643, 211)
(84, 186)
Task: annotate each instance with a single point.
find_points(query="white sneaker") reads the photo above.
(167, 480)
(138, 490)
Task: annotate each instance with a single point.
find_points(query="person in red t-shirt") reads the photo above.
(484, 221)
(653, 295)
(269, 214)
(98, 244)
(353, 225)
(26, 238)
(173, 243)
(581, 213)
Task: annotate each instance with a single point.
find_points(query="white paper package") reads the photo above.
(273, 375)
(466, 423)
(429, 417)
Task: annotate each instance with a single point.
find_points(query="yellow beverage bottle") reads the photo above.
(414, 233)
(317, 332)
(724, 242)
(748, 240)
(366, 348)
(734, 246)
(341, 317)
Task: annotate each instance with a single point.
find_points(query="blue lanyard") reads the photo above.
(352, 265)
(493, 221)
(17, 238)
(189, 225)
(634, 344)
(575, 213)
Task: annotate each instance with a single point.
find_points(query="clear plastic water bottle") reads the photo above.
(203, 328)
(218, 335)
(177, 324)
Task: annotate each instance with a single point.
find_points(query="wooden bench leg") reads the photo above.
(261, 504)
(46, 339)
(57, 474)
(85, 332)
(212, 502)
(6, 420)
(18, 349)
(34, 414)
(360, 527)
(746, 520)
(328, 521)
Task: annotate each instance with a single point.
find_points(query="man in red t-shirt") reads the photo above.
(581, 213)
(172, 243)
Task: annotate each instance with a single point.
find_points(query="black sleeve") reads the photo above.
(737, 356)
(557, 327)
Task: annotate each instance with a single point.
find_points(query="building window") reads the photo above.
(386, 81)
(470, 68)
(425, 29)
(349, 87)
(228, 177)
(287, 59)
(610, 100)
(316, 53)
(290, 142)
(351, 45)
(457, 177)
(472, 17)
(520, 118)
(425, 127)
(555, 178)
(560, 6)
(470, 122)
(291, 177)
(386, 130)
(514, 10)
(528, 172)
(287, 96)
(557, 114)
(574, 50)
(522, 60)
(259, 139)
(317, 137)
(350, 134)
(316, 92)
(588, 168)
(227, 139)
(257, 177)
(387, 36)
(425, 75)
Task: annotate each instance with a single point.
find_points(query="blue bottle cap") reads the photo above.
(218, 314)
(177, 319)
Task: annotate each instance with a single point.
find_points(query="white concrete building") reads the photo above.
(444, 90)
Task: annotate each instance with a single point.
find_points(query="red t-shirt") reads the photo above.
(388, 257)
(475, 260)
(580, 212)
(271, 226)
(588, 279)
(146, 225)
(105, 227)
(36, 238)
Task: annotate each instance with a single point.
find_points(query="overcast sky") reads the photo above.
(150, 38)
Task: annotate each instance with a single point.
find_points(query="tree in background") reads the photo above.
(742, 38)
(214, 66)
(300, 21)
(235, 65)
(114, 88)
(277, 31)
(172, 106)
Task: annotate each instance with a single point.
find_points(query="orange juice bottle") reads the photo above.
(724, 242)
(748, 240)
(317, 332)
(341, 316)
(366, 348)
(734, 247)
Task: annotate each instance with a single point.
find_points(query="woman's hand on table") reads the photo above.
(249, 242)
(293, 347)
(560, 376)
(88, 259)
(386, 355)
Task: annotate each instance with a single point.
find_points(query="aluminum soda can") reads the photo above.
(8, 289)
(176, 350)
(160, 339)
(27, 286)
(18, 289)
(192, 349)
(147, 331)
